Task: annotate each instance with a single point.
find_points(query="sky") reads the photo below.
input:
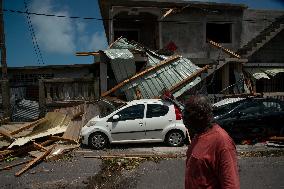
(58, 39)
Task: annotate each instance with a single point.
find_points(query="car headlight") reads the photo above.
(90, 123)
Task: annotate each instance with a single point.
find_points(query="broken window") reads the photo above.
(219, 32)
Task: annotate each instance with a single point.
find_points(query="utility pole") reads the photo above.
(2, 44)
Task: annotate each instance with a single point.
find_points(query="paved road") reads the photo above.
(80, 172)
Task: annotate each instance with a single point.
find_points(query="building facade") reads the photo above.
(185, 27)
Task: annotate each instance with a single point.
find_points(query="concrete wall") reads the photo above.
(190, 35)
(254, 21)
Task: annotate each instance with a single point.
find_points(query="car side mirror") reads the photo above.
(115, 118)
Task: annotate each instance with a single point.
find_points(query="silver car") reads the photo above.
(145, 120)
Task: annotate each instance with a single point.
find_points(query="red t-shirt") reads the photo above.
(212, 161)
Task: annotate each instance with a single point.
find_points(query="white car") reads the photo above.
(145, 120)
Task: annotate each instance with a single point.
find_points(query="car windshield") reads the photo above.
(108, 111)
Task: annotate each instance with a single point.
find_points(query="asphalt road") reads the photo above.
(78, 172)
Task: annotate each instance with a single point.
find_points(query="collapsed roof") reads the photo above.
(174, 73)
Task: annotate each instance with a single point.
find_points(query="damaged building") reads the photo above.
(184, 47)
(186, 28)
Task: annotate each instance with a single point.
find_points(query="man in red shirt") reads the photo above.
(211, 157)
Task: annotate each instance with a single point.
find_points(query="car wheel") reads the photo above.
(98, 140)
(174, 138)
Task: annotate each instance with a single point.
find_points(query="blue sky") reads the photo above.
(60, 38)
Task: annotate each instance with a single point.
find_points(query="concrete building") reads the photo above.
(184, 27)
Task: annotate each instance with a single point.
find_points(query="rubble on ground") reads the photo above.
(47, 138)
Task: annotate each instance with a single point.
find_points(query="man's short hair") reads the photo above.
(198, 110)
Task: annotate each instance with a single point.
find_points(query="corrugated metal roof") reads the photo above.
(257, 73)
(152, 84)
(122, 63)
(274, 71)
(265, 72)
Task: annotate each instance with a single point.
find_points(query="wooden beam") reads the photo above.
(228, 51)
(87, 53)
(34, 161)
(35, 123)
(162, 63)
(188, 79)
(38, 146)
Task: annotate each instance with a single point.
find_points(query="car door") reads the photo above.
(245, 120)
(157, 118)
(273, 117)
(130, 125)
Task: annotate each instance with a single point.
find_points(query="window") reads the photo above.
(132, 112)
(220, 33)
(270, 106)
(156, 110)
(251, 108)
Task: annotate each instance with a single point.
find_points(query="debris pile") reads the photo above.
(48, 138)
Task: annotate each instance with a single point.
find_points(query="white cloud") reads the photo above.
(53, 34)
(97, 41)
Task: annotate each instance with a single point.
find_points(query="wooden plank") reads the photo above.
(34, 161)
(47, 142)
(38, 146)
(35, 123)
(228, 51)
(87, 53)
(188, 79)
(56, 138)
(162, 63)
(138, 155)
(73, 131)
(280, 139)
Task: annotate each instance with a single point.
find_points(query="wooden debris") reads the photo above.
(137, 156)
(6, 134)
(4, 120)
(35, 123)
(14, 165)
(34, 161)
(47, 142)
(87, 53)
(56, 138)
(275, 138)
(38, 146)
(77, 115)
(228, 51)
(162, 63)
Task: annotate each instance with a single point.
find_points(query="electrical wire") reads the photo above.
(34, 38)
(120, 19)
